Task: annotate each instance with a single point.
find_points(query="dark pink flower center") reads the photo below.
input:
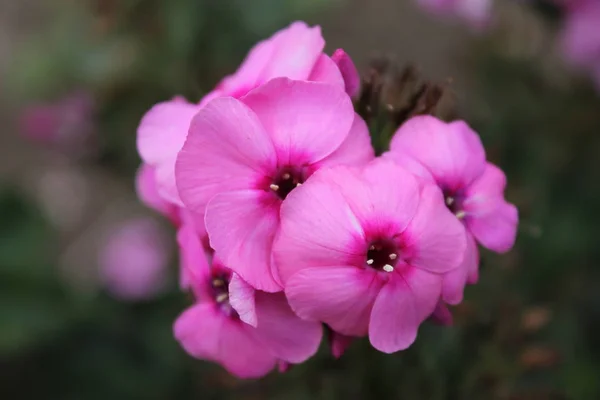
(219, 286)
(382, 255)
(454, 201)
(286, 180)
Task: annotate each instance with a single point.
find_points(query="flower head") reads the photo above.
(243, 158)
(212, 328)
(364, 251)
(451, 156)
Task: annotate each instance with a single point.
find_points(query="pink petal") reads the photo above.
(348, 70)
(442, 315)
(455, 281)
(341, 297)
(165, 182)
(287, 336)
(307, 121)
(452, 152)
(355, 150)
(296, 50)
(491, 219)
(205, 333)
(326, 71)
(400, 307)
(410, 164)
(241, 299)
(435, 239)
(145, 185)
(248, 74)
(339, 343)
(195, 270)
(317, 228)
(163, 130)
(391, 194)
(226, 149)
(241, 226)
(198, 330)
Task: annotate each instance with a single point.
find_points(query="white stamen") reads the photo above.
(218, 282)
(393, 256)
(461, 214)
(274, 187)
(388, 268)
(449, 201)
(286, 176)
(298, 184)
(222, 297)
(370, 261)
(372, 247)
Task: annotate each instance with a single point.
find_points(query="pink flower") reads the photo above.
(475, 12)
(245, 156)
(211, 329)
(134, 261)
(66, 122)
(452, 156)
(364, 251)
(580, 37)
(295, 52)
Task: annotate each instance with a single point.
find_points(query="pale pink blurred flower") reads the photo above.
(245, 156)
(451, 156)
(365, 250)
(477, 13)
(580, 37)
(133, 263)
(212, 329)
(66, 123)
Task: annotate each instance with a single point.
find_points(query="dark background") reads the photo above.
(528, 330)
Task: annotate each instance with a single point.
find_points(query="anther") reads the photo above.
(218, 282)
(388, 268)
(274, 187)
(222, 297)
(286, 176)
(449, 201)
(393, 256)
(461, 214)
(298, 184)
(372, 247)
(370, 261)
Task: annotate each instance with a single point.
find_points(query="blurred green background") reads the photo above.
(529, 330)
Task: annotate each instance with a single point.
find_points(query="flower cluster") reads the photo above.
(287, 221)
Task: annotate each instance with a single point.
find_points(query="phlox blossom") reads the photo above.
(451, 156)
(365, 250)
(212, 329)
